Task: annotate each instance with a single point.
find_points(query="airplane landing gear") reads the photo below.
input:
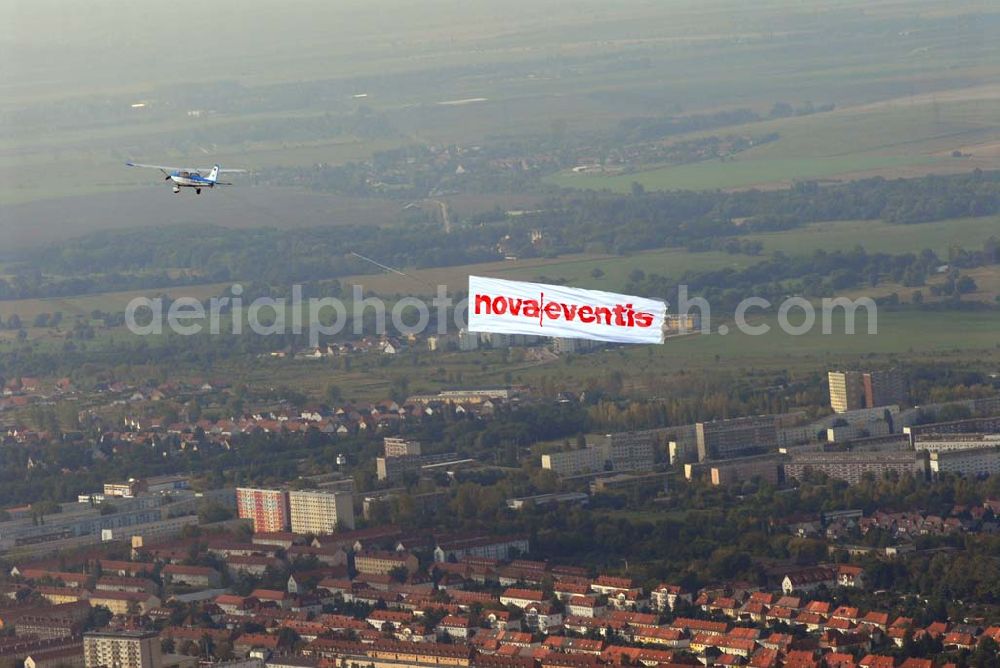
(197, 191)
(177, 189)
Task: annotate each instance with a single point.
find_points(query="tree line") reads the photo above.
(570, 223)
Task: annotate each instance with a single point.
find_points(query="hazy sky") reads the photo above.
(54, 46)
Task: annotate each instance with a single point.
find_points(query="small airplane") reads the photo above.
(187, 177)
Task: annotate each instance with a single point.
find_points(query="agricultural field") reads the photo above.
(155, 206)
(576, 269)
(535, 70)
(873, 236)
(95, 166)
(109, 302)
(880, 237)
(903, 137)
(901, 335)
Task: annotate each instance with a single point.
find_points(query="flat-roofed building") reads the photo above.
(395, 469)
(884, 388)
(266, 508)
(167, 483)
(500, 548)
(192, 576)
(122, 649)
(623, 451)
(976, 462)
(853, 390)
(955, 442)
(724, 439)
(320, 512)
(124, 490)
(853, 466)
(683, 323)
(400, 447)
(573, 462)
(766, 468)
(846, 391)
(652, 483)
(984, 425)
(463, 396)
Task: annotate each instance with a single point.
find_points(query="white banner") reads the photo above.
(515, 307)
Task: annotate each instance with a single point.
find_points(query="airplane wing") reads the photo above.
(160, 167)
(221, 171)
(165, 168)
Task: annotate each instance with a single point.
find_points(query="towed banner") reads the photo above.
(515, 307)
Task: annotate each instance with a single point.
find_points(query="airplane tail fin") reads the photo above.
(213, 176)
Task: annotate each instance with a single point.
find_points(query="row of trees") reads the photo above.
(116, 260)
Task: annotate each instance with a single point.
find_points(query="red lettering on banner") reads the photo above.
(620, 315)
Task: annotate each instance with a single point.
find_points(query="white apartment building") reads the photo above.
(952, 442)
(122, 649)
(321, 512)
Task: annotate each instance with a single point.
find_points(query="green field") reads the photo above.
(543, 69)
(742, 173)
(111, 302)
(902, 335)
(903, 137)
(873, 236)
(898, 332)
(575, 269)
(879, 237)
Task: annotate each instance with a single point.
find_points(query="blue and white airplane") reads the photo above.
(187, 177)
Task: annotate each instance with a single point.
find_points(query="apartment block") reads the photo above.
(976, 462)
(884, 388)
(725, 439)
(853, 390)
(651, 483)
(564, 346)
(500, 548)
(122, 649)
(400, 447)
(766, 468)
(853, 466)
(377, 562)
(850, 432)
(125, 490)
(320, 512)
(846, 391)
(266, 508)
(625, 451)
(394, 468)
(684, 323)
(682, 444)
(574, 462)
(955, 442)
(631, 451)
(983, 425)
(468, 340)
(125, 602)
(192, 576)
